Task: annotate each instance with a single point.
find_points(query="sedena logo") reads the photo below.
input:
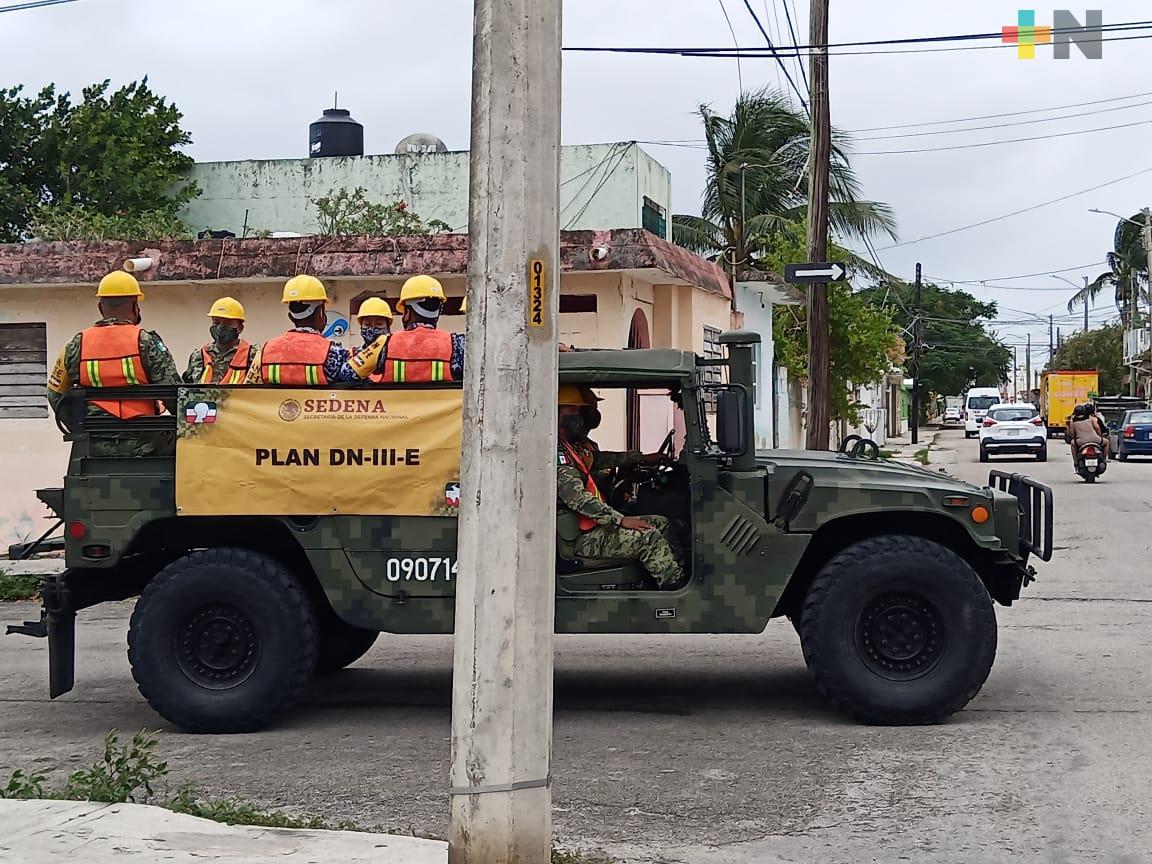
(1065, 30)
(289, 410)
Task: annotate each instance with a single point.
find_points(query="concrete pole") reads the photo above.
(505, 593)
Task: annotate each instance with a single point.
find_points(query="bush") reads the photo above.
(18, 586)
(73, 222)
(126, 772)
(341, 213)
(23, 786)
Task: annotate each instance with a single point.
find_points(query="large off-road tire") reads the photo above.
(341, 644)
(223, 640)
(898, 630)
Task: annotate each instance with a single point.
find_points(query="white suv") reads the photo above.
(1015, 428)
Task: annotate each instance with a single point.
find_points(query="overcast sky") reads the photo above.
(249, 77)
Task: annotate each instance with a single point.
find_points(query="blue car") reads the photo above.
(1133, 435)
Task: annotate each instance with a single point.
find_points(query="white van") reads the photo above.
(977, 401)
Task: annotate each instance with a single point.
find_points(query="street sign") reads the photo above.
(806, 274)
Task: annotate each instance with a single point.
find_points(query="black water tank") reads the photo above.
(335, 134)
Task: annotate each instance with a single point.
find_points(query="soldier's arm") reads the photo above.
(195, 367)
(59, 380)
(364, 362)
(606, 459)
(255, 362)
(572, 494)
(456, 364)
(158, 363)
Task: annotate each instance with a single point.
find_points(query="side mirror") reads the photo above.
(731, 414)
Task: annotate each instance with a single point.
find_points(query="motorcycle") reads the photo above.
(1091, 464)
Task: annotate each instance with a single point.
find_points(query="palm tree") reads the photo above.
(1127, 273)
(757, 184)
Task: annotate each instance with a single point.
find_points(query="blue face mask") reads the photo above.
(371, 334)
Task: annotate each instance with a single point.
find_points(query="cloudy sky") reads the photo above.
(251, 75)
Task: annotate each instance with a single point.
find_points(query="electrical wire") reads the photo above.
(777, 32)
(1021, 276)
(792, 32)
(739, 70)
(779, 62)
(981, 144)
(35, 4)
(983, 222)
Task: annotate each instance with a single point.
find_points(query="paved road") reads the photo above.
(719, 749)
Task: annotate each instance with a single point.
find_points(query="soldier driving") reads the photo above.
(604, 532)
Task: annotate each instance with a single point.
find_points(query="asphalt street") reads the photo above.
(717, 749)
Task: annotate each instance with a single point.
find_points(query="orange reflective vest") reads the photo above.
(586, 523)
(237, 369)
(295, 359)
(418, 355)
(110, 357)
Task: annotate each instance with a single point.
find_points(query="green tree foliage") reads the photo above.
(341, 212)
(757, 185)
(863, 344)
(1101, 349)
(111, 154)
(1127, 276)
(959, 350)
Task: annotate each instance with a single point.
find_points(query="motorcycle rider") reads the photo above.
(1084, 428)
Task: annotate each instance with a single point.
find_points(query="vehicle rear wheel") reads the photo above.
(898, 630)
(983, 455)
(1042, 456)
(222, 640)
(1122, 456)
(341, 644)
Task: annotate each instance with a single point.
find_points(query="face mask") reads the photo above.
(591, 417)
(573, 426)
(224, 334)
(371, 334)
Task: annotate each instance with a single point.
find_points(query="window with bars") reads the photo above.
(23, 371)
(652, 218)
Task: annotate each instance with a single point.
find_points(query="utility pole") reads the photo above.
(819, 402)
(1059, 339)
(1050, 332)
(917, 348)
(1015, 374)
(1085, 304)
(1028, 367)
(500, 792)
(1132, 376)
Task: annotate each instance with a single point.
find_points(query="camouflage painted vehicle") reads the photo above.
(887, 571)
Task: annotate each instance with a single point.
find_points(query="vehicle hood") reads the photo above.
(849, 469)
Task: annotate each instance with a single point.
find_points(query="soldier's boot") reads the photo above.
(659, 560)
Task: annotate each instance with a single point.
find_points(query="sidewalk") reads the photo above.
(40, 832)
(904, 450)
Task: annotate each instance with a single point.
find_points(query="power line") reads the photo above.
(1004, 141)
(739, 71)
(35, 4)
(1021, 276)
(775, 32)
(779, 62)
(1017, 212)
(792, 31)
(796, 48)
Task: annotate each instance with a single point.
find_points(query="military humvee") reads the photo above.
(248, 586)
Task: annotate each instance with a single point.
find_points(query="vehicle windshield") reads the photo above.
(1006, 415)
(1140, 417)
(982, 403)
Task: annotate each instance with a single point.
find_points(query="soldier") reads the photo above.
(302, 356)
(227, 358)
(375, 318)
(605, 532)
(116, 352)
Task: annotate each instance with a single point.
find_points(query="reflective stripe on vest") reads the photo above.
(237, 368)
(417, 356)
(586, 523)
(295, 359)
(110, 357)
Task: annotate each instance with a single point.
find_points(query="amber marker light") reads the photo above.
(980, 515)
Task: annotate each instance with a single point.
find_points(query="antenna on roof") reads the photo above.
(335, 98)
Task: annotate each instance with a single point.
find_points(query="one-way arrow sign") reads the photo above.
(806, 274)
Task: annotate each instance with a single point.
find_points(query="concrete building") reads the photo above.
(617, 288)
(602, 186)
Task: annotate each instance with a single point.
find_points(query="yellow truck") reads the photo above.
(1063, 390)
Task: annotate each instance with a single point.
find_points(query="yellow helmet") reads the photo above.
(574, 394)
(420, 288)
(375, 307)
(227, 307)
(304, 289)
(119, 284)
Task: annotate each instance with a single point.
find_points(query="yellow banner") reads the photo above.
(288, 452)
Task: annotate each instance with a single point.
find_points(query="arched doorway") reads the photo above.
(639, 336)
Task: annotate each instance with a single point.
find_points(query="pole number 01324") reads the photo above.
(420, 569)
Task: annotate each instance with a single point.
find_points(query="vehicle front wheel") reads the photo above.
(223, 640)
(898, 630)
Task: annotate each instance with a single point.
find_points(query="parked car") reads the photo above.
(953, 415)
(1132, 436)
(977, 401)
(1016, 428)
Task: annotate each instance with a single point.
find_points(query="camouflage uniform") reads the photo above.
(221, 357)
(608, 540)
(159, 366)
